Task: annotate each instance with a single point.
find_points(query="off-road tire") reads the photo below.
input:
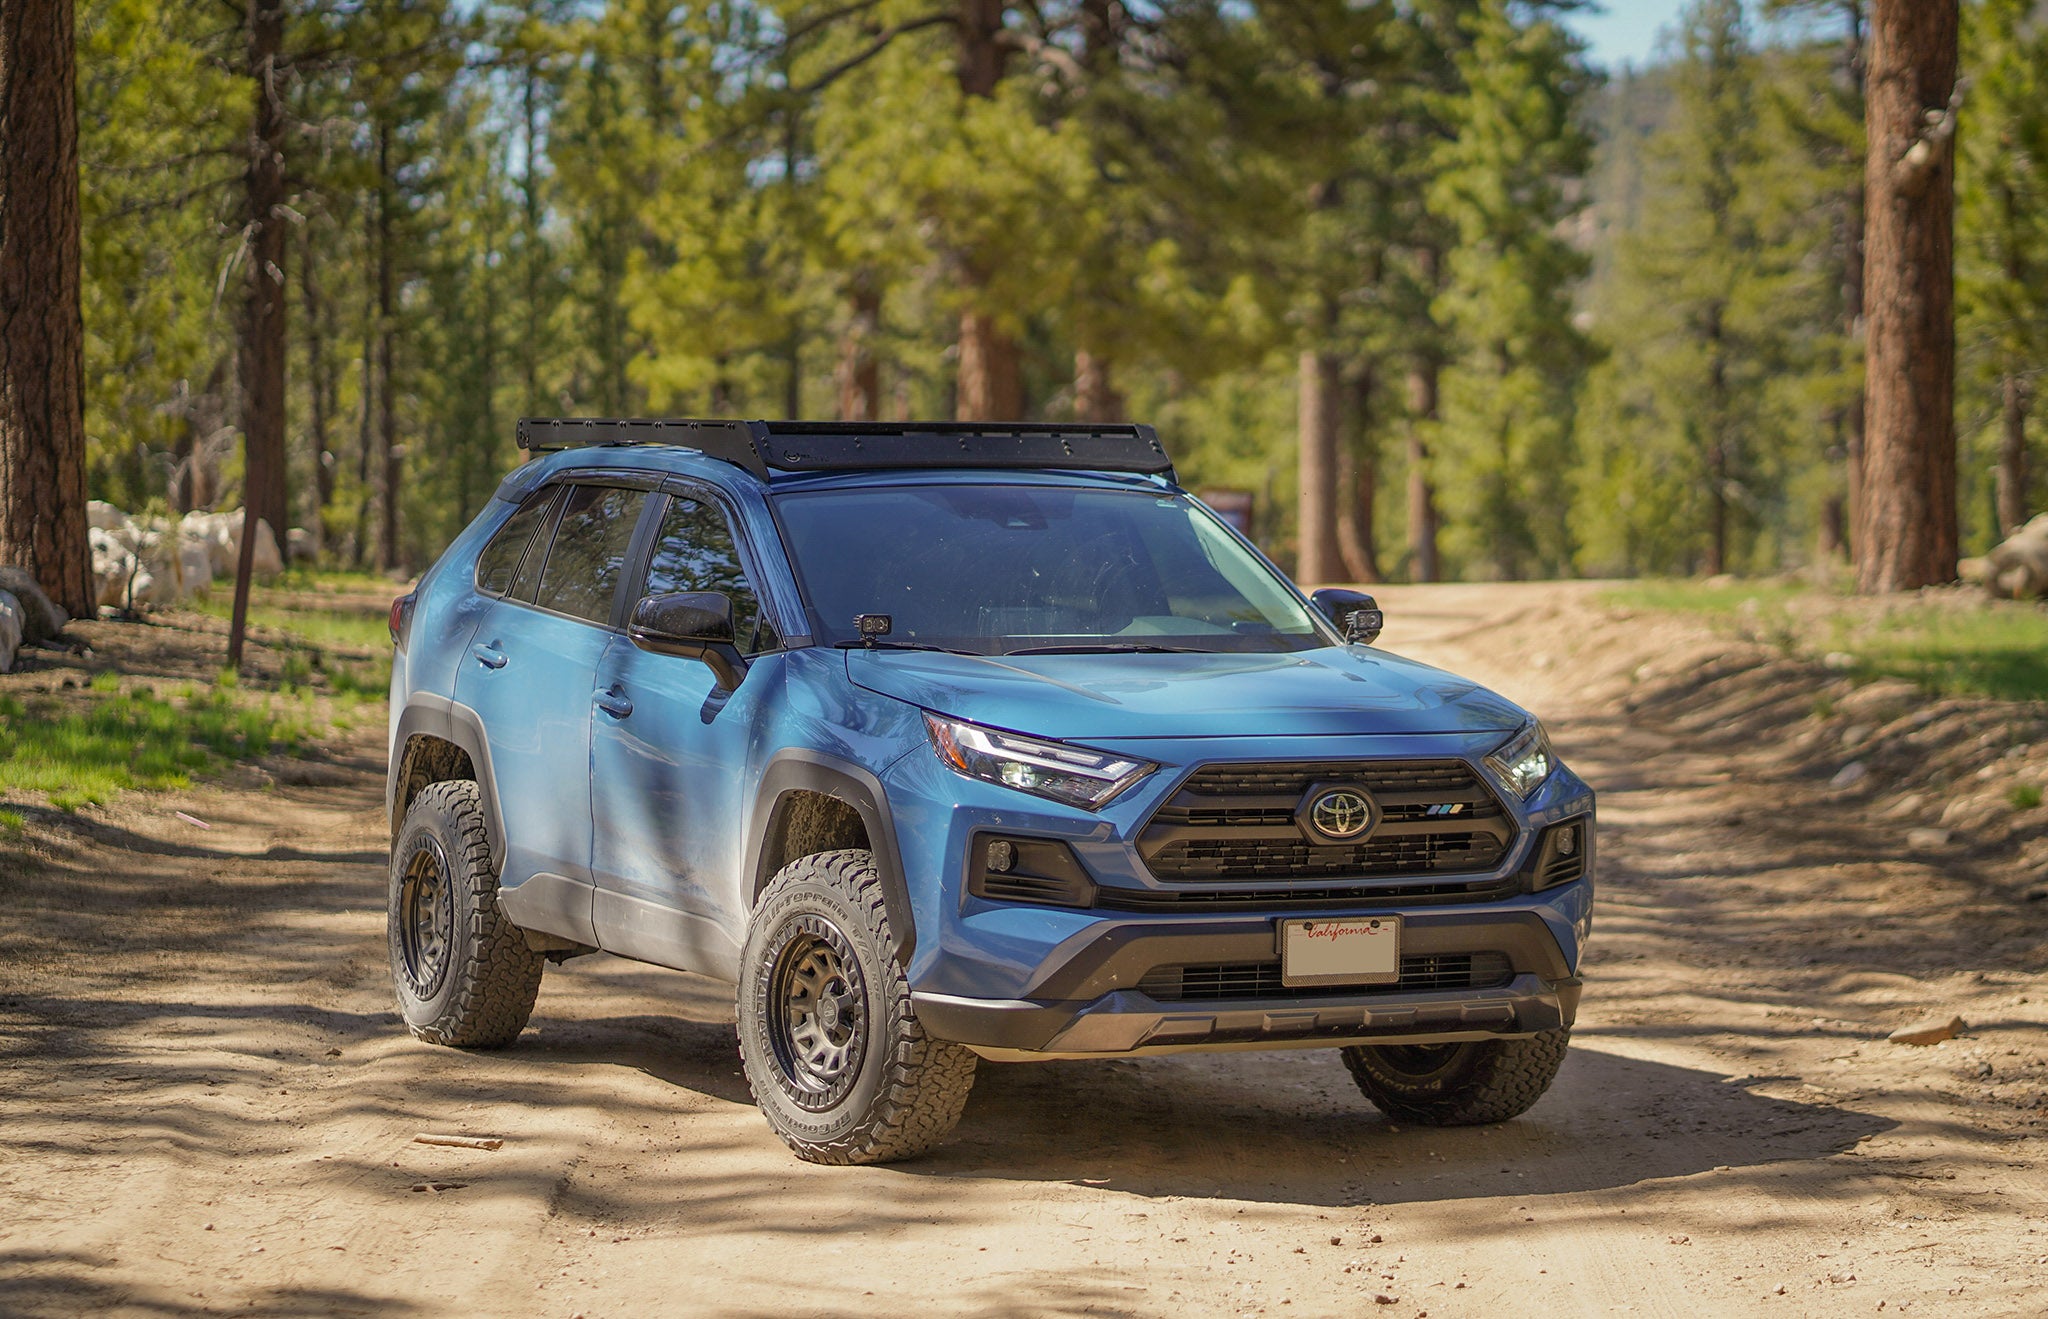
(1458, 1085)
(463, 973)
(893, 1094)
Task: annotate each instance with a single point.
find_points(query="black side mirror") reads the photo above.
(693, 624)
(1356, 614)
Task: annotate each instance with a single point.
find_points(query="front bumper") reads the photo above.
(1091, 1008)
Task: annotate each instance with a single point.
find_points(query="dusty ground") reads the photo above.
(206, 1104)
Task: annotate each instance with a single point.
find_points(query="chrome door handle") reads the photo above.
(489, 657)
(614, 703)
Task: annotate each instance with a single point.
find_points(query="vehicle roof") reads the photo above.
(681, 460)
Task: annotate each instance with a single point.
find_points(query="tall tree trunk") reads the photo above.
(1318, 558)
(1424, 399)
(2012, 452)
(1097, 400)
(387, 403)
(991, 371)
(1358, 480)
(266, 236)
(366, 417)
(1906, 533)
(1717, 445)
(532, 248)
(991, 377)
(859, 373)
(320, 387)
(42, 339)
(261, 364)
(1842, 513)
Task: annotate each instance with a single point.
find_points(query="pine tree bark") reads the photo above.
(859, 374)
(1424, 399)
(1097, 400)
(1318, 558)
(2012, 452)
(1906, 533)
(991, 376)
(42, 339)
(1358, 480)
(387, 402)
(991, 371)
(319, 388)
(266, 232)
(1837, 516)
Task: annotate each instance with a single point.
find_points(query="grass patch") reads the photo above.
(2023, 796)
(1949, 645)
(13, 823)
(133, 739)
(322, 629)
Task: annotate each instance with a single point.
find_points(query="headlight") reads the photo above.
(1524, 760)
(1074, 775)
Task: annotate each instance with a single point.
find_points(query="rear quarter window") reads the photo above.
(499, 562)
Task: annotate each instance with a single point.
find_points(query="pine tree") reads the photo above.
(2002, 231)
(1504, 184)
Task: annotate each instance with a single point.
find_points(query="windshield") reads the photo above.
(1010, 569)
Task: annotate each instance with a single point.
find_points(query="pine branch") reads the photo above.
(881, 42)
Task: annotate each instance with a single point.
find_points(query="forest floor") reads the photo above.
(207, 1104)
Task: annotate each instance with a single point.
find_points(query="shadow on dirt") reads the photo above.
(76, 1282)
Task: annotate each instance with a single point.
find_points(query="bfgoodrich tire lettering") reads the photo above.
(1458, 1085)
(833, 1052)
(463, 973)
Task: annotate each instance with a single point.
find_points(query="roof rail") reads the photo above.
(821, 446)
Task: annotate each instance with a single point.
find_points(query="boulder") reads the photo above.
(101, 514)
(221, 533)
(41, 618)
(2018, 567)
(299, 545)
(12, 627)
(119, 580)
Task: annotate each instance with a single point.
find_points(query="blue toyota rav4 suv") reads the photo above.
(946, 743)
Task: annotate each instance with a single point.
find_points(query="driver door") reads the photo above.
(669, 753)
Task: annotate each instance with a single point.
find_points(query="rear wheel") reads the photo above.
(1458, 1085)
(463, 972)
(833, 1051)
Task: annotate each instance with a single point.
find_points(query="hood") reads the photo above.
(1338, 691)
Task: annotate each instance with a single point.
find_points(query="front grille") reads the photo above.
(1236, 822)
(1297, 896)
(1233, 980)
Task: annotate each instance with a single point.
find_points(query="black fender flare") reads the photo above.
(427, 715)
(799, 770)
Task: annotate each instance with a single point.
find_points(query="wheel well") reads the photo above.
(427, 760)
(806, 822)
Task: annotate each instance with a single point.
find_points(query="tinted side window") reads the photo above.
(500, 559)
(589, 551)
(694, 551)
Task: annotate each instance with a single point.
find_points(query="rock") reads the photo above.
(1931, 1031)
(299, 545)
(115, 568)
(1927, 840)
(2018, 567)
(41, 618)
(1856, 733)
(1838, 659)
(99, 513)
(1910, 804)
(12, 620)
(221, 533)
(2038, 893)
(1849, 775)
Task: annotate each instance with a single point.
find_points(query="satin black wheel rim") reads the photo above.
(426, 919)
(817, 1013)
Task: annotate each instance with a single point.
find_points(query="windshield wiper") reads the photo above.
(1107, 648)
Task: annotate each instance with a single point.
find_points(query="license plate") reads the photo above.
(1354, 950)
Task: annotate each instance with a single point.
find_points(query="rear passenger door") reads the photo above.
(669, 758)
(529, 676)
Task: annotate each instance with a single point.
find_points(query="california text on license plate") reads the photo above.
(1353, 950)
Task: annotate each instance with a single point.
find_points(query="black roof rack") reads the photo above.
(825, 446)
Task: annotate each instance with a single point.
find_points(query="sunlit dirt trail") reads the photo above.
(207, 1104)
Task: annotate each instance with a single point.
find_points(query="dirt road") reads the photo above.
(206, 1104)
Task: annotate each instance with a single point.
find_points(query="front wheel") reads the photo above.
(833, 1051)
(1458, 1085)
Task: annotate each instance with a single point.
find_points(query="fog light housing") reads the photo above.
(1037, 870)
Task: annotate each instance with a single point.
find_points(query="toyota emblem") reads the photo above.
(1341, 814)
